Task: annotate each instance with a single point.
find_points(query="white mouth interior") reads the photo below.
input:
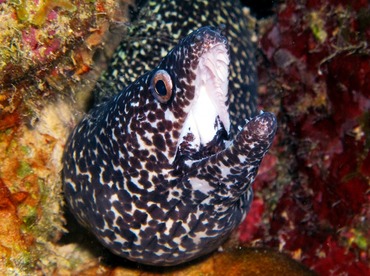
(211, 85)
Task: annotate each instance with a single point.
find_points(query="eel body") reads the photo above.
(161, 171)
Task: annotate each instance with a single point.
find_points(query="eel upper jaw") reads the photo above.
(207, 124)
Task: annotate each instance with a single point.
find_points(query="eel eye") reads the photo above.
(161, 86)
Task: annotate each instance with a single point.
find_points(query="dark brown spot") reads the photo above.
(135, 163)
(151, 117)
(161, 127)
(159, 142)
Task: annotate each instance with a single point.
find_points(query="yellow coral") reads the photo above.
(47, 6)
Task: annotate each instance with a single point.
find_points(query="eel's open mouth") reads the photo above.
(207, 125)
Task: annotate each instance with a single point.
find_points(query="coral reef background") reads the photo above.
(312, 193)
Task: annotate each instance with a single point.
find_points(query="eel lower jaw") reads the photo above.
(187, 151)
(237, 164)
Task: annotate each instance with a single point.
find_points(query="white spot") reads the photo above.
(200, 185)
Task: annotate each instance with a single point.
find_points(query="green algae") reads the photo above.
(317, 26)
(24, 169)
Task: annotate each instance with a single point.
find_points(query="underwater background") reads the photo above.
(312, 192)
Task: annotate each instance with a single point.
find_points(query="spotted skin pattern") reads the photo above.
(125, 180)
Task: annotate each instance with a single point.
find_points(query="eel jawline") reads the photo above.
(237, 165)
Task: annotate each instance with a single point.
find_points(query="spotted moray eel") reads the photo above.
(161, 171)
